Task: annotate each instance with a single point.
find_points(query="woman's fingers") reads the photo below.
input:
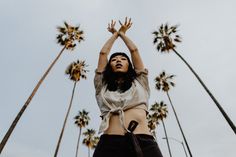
(129, 20)
(120, 23)
(111, 26)
(126, 20)
(113, 23)
(130, 24)
(127, 23)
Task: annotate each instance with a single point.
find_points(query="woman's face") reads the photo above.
(119, 63)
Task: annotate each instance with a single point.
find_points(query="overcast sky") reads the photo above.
(28, 46)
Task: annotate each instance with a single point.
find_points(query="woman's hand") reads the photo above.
(111, 27)
(124, 27)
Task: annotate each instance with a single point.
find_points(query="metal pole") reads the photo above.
(178, 142)
(184, 149)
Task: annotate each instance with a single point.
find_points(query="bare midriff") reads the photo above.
(137, 114)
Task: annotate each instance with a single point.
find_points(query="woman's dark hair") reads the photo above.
(110, 77)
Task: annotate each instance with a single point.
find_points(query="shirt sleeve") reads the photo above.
(142, 77)
(98, 81)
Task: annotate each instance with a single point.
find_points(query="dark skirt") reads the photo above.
(120, 146)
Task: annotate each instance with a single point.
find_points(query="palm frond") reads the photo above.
(164, 82)
(160, 110)
(68, 35)
(165, 38)
(82, 119)
(76, 70)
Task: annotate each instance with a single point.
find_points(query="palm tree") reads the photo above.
(81, 120)
(90, 140)
(67, 37)
(160, 111)
(165, 40)
(95, 141)
(164, 83)
(75, 70)
(152, 123)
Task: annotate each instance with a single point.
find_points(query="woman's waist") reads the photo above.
(136, 114)
(118, 130)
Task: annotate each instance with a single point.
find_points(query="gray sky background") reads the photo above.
(28, 46)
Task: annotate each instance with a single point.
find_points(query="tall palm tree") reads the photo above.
(165, 40)
(160, 111)
(67, 37)
(164, 83)
(81, 120)
(90, 139)
(75, 70)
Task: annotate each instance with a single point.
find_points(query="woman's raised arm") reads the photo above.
(135, 56)
(102, 61)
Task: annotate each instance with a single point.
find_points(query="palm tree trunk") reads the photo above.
(167, 140)
(77, 148)
(180, 127)
(64, 124)
(154, 134)
(88, 152)
(14, 123)
(210, 94)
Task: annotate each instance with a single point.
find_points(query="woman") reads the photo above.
(122, 93)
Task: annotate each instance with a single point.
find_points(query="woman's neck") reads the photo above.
(120, 80)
